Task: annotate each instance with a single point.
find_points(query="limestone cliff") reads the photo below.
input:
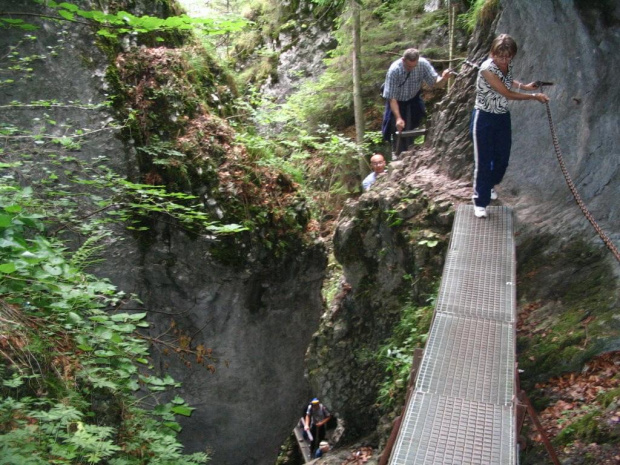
(231, 315)
(572, 45)
(391, 244)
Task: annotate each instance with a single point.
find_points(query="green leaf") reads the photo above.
(183, 410)
(173, 426)
(15, 382)
(125, 328)
(18, 23)
(68, 6)
(106, 33)
(67, 15)
(74, 317)
(53, 270)
(104, 333)
(7, 268)
(105, 353)
(13, 208)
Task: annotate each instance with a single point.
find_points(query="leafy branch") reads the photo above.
(70, 363)
(122, 22)
(54, 104)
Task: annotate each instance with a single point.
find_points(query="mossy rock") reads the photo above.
(574, 293)
(587, 429)
(606, 398)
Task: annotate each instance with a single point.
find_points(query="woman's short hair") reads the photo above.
(504, 44)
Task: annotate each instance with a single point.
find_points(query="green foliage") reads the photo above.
(322, 161)
(480, 12)
(172, 102)
(309, 144)
(69, 366)
(72, 363)
(606, 398)
(111, 25)
(17, 24)
(387, 29)
(43, 157)
(396, 355)
(111, 199)
(393, 218)
(430, 239)
(587, 428)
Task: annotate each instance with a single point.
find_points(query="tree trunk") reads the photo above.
(451, 27)
(358, 109)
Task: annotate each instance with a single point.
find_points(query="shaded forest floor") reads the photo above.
(581, 416)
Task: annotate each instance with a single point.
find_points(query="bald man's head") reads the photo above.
(377, 163)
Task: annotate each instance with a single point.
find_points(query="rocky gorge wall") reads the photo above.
(571, 44)
(232, 330)
(391, 243)
(253, 324)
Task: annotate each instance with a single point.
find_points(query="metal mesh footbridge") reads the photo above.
(462, 410)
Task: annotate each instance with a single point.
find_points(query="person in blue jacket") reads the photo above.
(323, 448)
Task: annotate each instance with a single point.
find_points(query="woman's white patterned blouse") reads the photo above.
(487, 98)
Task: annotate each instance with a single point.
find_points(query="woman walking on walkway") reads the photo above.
(490, 123)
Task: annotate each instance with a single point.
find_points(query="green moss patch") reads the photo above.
(174, 102)
(568, 308)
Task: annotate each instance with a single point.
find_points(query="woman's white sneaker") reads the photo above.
(480, 212)
(494, 195)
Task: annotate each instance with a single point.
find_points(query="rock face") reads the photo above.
(391, 243)
(234, 335)
(298, 60)
(254, 324)
(573, 45)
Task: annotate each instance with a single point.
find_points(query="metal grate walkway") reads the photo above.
(462, 410)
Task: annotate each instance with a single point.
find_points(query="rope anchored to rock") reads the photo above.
(556, 145)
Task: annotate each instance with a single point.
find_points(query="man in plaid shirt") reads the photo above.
(404, 107)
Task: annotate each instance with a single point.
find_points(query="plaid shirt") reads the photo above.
(402, 85)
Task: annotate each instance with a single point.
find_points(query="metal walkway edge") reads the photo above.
(462, 410)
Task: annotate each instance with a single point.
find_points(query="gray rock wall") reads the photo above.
(379, 240)
(581, 60)
(576, 48)
(253, 321)
(255, 325)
